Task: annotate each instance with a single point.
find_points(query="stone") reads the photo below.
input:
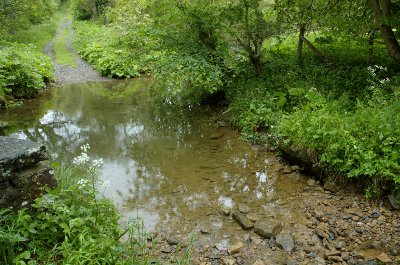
(393, 202)
(167, 249)
(335, 258)
(228, 261)
(287, 170)
(267, 228)
(332, 253)
(285, 241)
(354, 211)
(321, 233)
(216, 135)
(311, 182)
(331, 185)
(340, 244)
(295, 168)
(235, 248)
(319, 260)
(244, 222)
(243, 208)
(17, 154)
(25, 185)
(253, 217)
(225, 210)
(172, 240)
(258, 262)
(394, 251)
(383, 257)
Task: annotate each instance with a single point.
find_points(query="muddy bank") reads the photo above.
(65, 74)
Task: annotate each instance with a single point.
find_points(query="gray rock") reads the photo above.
(244, 222)
(272, 243)
(25, 185)
(267, 228)
(295, 168)
(319, 260)
(321, 233)
(243, 208)
(285, 241)
(172, 240)
(331, 185)
(340, 244)
(17, 154)
(394, 251)
(393, 202)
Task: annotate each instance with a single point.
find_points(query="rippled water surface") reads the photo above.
(174, 167)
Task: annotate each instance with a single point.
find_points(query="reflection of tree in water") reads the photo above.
(157, 154)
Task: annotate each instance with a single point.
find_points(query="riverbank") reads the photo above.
(188, 175)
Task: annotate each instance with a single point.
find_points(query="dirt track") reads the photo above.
(66, 74)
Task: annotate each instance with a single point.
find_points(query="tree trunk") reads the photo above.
(381, 10)
(300, 45)
(371, 42)
(256, 62)
(315, 50)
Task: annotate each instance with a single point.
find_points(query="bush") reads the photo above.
(23, 71)
(363, 144)
(186, 76)
(101, 47)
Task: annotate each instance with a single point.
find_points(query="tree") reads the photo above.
(247, 23)
(303, 15)
(385, 16)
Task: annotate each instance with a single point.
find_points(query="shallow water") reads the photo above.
(174, 167)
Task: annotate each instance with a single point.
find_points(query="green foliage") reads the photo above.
(88, 9)
(16, 15)
(363, 143)
(186, 76)
(73, 224)
(23, 71)
(101, 47)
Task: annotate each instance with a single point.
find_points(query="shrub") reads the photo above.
(364, 143)
(23, 71)
(101, 47)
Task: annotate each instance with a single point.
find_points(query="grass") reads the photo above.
(62, 54)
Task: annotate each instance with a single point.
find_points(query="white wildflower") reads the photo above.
(82, 183)
(105, 184)
(83, 158)
(97, 162)
(85, 148)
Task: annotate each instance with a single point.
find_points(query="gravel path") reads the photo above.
(66, 74)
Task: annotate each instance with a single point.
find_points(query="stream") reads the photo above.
(180, 169)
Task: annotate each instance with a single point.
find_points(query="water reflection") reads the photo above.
(162, 163)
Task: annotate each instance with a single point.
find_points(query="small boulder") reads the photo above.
(285, 241)
(244, 222)
(384, 258)
(235, 248)
(267, 228)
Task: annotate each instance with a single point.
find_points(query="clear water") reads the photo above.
(174, 167)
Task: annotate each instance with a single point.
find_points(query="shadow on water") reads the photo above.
(174, 167)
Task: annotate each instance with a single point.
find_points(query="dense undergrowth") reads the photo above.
(23, 71)
(103, 48)
(73, 224)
